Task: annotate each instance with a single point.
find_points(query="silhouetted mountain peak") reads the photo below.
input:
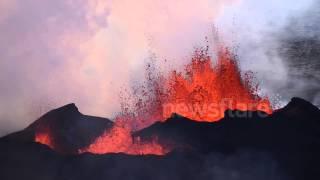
(69, 129)
(299, 108)
(300, 103)
(59, 115)
(69, 108)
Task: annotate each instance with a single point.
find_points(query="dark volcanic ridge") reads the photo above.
(69, 129)
(242, 145)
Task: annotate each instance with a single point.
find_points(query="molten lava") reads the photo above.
(203, 93)
(119, 140)
(208, 90)
(44, 138)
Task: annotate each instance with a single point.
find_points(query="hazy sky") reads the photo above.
(85, 51)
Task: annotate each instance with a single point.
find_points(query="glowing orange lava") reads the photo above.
(44, 138)
(207, 90)
(202, 93)
(119, 140)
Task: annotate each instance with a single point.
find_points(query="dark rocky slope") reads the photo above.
(243, 145)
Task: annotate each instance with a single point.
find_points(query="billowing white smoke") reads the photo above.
(280, 43)
(84, 51)
(300, 50)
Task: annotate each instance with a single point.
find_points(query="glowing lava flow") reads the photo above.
(119, 140)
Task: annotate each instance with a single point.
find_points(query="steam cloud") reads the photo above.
(281, 48)
(300, 50)
(84, 51)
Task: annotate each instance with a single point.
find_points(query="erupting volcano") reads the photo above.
(181, 125)
(240, 102)
(202, 93)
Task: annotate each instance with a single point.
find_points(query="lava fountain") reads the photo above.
(208, 90)
(202, 93)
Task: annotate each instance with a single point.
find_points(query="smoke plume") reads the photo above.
(85, 51)
(280, 44)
